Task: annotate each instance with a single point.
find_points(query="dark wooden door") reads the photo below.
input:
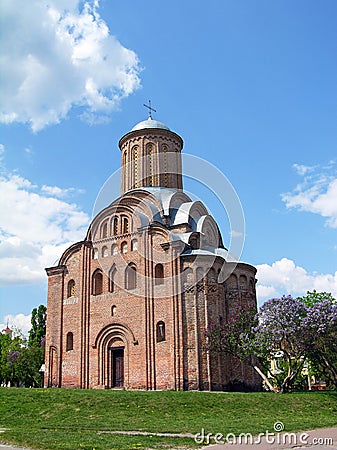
(118, 367)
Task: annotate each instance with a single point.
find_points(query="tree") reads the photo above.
(275, 331)
(9, 353)
(38, 330)
(234, 336)
(321, 328)
(280, 333)
(316, 297)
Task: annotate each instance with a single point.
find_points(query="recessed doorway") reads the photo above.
(117, 367)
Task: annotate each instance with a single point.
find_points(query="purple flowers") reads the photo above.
(295, 329)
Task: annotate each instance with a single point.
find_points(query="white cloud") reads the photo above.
(56, 191)
(19, 322)
(284, 277)
(317, 193)
(35, 229)
(60, 54)
(301, 169)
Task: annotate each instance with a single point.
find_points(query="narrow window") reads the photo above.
(159, 274)
(135, 162)
(131, 277)
(113, 310)
(125, 228)
(124, 247)
(150, 164)
(165, 166)
(95, 253)
(97, 283)
(105, 252)
(112, 275)
(70, 341)
(71, 289)
(161, 331)
(104, 231)
(114, 249)
(134, 245)
(115, 226)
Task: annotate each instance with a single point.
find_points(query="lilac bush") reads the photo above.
(288, 331)
(280, 331)
(320, 326)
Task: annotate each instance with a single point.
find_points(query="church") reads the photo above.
(129, 305)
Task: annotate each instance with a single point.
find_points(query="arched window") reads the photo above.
(131, 277)
(113, 310)
(159, 274)
(125, 225)
(114, 249)
(134, 245)
(165, 150)
(149, 149)
(70, 341)
(124, 247)
(71, 289)
(232, 282)
(104, 230)
(160, 331)
(135, 162)
(95, 253)
(112, 275)
(97, 283)
(105, 252)
(115, 226)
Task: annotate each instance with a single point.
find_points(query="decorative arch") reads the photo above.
(114, 335)
(211, 275)
(243, 283)
(232, 282)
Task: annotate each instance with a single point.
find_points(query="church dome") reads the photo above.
(150, 123)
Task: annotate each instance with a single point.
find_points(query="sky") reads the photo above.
(249, 85)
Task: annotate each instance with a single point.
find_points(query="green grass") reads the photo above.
(74, 419)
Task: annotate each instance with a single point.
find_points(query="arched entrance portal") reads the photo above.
(113, 345)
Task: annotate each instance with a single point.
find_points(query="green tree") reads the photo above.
(38, 330)
(10, 350)
(316, 297)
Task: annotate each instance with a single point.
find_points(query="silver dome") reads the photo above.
(150, 123)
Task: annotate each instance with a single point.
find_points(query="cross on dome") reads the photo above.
(150, 109)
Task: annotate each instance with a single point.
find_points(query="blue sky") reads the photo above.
(249, 85)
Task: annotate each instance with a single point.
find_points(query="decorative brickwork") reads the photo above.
(128, 306)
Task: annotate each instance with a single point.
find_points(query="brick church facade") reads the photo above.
(129, 305)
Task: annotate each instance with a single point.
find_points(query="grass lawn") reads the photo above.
(82, 419)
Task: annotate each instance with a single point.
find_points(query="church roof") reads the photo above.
(150, 123)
